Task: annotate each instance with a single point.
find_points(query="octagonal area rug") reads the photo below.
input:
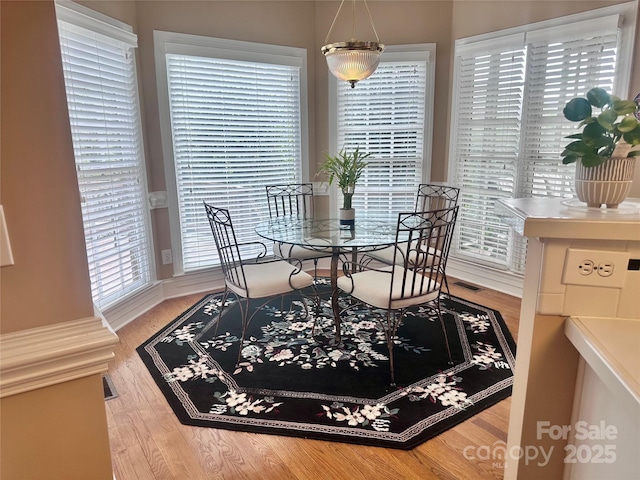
(290, 382)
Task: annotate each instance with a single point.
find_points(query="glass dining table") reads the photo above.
(369, 233)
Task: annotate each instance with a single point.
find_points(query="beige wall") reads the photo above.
(57, 432)
(49, 282)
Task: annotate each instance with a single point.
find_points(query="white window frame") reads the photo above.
(74, 17)
(186, 44)
(393, 53)
(627, 13)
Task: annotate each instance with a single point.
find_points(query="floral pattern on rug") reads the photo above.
(285, 375)
(443, 389)
(374, 416)
(235, 403)
(287, 340)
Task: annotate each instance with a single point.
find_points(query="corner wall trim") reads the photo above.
(44, 356)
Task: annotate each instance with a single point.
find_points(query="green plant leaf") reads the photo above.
(577, 109)
(592, 133)
(570, 159)
(602, 142)
(634, 153)
(628, 124)
(568, 153)
(607, 118)
(632, 137)
(625, 107)
(577, 136)
(592, 160)
(598, 97)
(578, 147)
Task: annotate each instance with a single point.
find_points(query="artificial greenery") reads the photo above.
(345, 168)
(602, 133)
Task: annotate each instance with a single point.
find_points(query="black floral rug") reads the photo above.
(289, 382)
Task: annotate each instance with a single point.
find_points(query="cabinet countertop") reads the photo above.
(558, 218)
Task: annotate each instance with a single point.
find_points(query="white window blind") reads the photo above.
(101, 88)
(235, 128)
(558, 71)
(386, 115)
(490, 92)
(508, 129)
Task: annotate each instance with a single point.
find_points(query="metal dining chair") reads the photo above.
(294, 200)
(413, 278)
(258, 278)
(430, 196)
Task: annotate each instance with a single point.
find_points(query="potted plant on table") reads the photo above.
(603, 151)
(345, 168)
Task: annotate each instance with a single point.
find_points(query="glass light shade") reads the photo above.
(353, 61)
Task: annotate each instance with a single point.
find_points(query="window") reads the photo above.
(507, 124)
(389, 115)
(237, 124)
(100, 78)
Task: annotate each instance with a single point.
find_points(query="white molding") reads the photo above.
(196, 282)
(180, 285)
(43, 356)
(124, 312)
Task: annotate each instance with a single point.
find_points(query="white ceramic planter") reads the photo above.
(606, 184)
(347, 217)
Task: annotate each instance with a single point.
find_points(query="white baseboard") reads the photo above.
(125, 312)
(485, 276)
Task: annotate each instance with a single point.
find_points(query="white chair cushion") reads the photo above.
(386, 254)
(373, 287)
(272, 278)
(286, 250)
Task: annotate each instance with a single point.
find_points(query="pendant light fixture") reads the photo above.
(354, 60)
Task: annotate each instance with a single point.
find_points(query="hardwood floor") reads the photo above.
(148, 442)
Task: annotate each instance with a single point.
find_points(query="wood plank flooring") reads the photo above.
(148, 442)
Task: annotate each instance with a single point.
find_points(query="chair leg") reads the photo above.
(244, 323)
(224, 299)
(444, 330)
(389, 333)
(446, 284)
(306, 307)
(219, 319)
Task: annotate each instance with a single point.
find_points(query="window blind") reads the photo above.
(235, 129)
(490, 93)
(509, 128)
(102, 97)
(385, 116)
(557, 73)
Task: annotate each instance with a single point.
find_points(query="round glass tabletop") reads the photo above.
(372, 232)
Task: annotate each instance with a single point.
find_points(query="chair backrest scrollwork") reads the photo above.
(227, 245)
(436, 197)
(290, 200)
(420, 266)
